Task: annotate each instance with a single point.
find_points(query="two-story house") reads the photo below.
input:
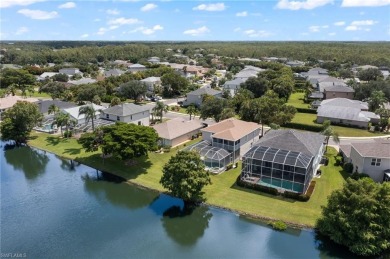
(129, 113)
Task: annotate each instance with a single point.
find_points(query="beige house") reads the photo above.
(338, 91)
(371, 158)
(9, 101)
(176, 131)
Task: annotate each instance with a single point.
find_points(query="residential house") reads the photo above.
(70, 71)
(195, 97)
(371, 158)
(129, 113)
(46, 75)
(176, 131)
(225, 142)
(338, 91)
(74, 113)
(45, 104)
(346, 112)
(245, 74)
(82, 81)
(136, 68)
(10, 100)
(113, 72)
(295, 63)
(233, 85)
(284, 159)
(154, 60)
(152, 82)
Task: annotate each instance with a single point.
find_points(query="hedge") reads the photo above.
(306, 110)
(301, 126)
(274, 191)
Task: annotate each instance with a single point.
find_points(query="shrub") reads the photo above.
(229, 166)
(278, 225)
(68, 134)
(348, 167)
(166, 149)
(294, 125)
(357, 176)
(306, 110)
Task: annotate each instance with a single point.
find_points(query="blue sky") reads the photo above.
(272, 20)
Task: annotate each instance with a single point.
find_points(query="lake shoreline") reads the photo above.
(242, 213)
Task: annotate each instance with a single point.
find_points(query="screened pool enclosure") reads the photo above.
(278, 168)
(215, 159)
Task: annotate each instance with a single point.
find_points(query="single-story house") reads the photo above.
(195, 97)
(9, 101)
(45, 104)
(129, 113)
(151, 82)
(371, 158)
(74, 113)
(176, 131)
(70, 71)
(46, 75)
(113, 72)
(225, 142)
(346, 112)
(154, 60)
(82, 81)
(245, 74)
(233, 85)
(136, 68)
(284, 159)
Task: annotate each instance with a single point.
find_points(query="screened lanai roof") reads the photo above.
(207, 151)
(280, 156)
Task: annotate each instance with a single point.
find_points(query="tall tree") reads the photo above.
(63, 119)
(19, 120)
(174, 84)
(53, 109)
(159, 109)
(241, 96)
(357, 216)
(370, 74)
(192, 110)
(376, 100)
(56, 90)
(133, 90)
(329, 132)
(90, 114)
(185, 177)
(19, 78)
(384, 117)
(213, 108)
(115, 101)
(60, 78)
(87, 92)
(257, 85)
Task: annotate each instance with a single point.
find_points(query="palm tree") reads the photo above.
(376, 100)
(53, 109)
(160, 108)
(115, 101)
(192, 110)
(328, 132)
(90, 114)
(61, 119)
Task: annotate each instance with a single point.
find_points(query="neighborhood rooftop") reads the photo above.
(378, 149)
(231, 129)
(126, 109)
(204, 90)
(177, 127)
(345, 103)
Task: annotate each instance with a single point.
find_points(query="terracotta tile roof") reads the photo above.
(232, 129)
(177, 127)
(9, 101)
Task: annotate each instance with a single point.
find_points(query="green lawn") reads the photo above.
(223, 192)
(35, 94)
(309, 119)
(296, 100)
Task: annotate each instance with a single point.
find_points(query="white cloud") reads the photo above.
(314, 28)
(113, 27)
(210, 7)
(257, 34)
(331, 33)
(148, 31)
(197, 32)
(237, 29)
(9, 3)
(340, 23)
(360, 25)
(363, 23)
(148, 7)
(38, 14)
(21, 30)
(296, 5)
(67, 5)
(242, 14)
(112, 12)
(364, 3)
(123, 21)
(86, 35)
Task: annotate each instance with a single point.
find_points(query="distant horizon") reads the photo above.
(171, 20)
(208, 41)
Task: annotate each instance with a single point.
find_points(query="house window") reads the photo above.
(131, 117)
(376, 162)
(118, 118)
(107, 116)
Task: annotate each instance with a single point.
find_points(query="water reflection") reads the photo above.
(68, 165)
(112, 188)
(32, 162)
(184, 223)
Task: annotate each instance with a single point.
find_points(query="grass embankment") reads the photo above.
(296, 100)
(222, 193)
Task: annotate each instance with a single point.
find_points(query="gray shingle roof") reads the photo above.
(126, 109)
(45, 104)
(346, 103)
(353, 114)
(338, 88)
(204, 90)
(291, 140)
(379, 149)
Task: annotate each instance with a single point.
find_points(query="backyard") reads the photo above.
(223, 192)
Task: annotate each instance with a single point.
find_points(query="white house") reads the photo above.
(233, 85)
(195, 97)
(371, 158)
(129, 113)
(74, 113)
(70, 71)
(151, 82)
(136, 68)
(46, 75)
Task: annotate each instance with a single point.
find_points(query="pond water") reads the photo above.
(57, 208)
